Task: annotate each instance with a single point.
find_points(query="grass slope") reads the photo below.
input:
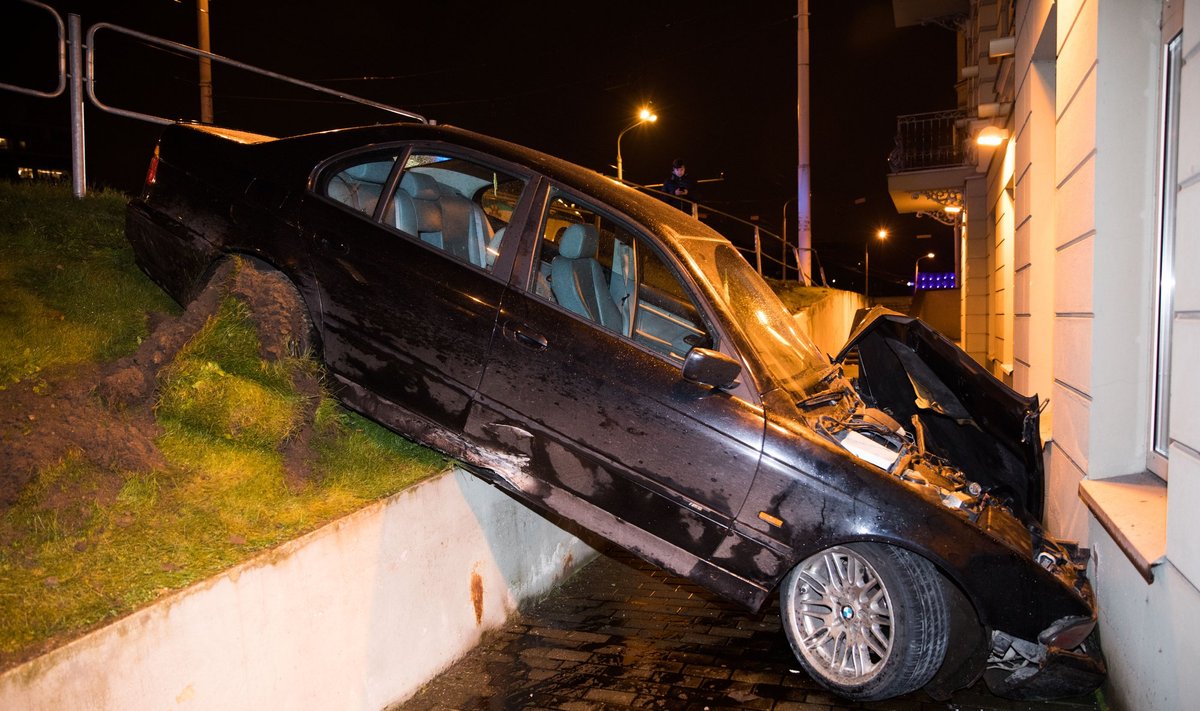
(85, 543)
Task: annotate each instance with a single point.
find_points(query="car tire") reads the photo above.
(867, 621)
(285, 327)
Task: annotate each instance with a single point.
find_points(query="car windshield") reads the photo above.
(793, 360)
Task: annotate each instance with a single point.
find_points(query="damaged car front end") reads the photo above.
(946, 430)
(897, 507)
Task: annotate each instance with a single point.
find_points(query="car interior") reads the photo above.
(589, 264)
(432, 203)
(597, 269)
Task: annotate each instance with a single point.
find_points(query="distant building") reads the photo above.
(1077, 240)
(34, 152)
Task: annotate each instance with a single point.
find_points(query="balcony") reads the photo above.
(932, 158)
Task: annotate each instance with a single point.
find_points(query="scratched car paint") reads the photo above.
(607, 359)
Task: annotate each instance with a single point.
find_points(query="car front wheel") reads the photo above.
(866, 621)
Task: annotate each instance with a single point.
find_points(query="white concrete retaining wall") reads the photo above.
(356, 615)
(828, 321)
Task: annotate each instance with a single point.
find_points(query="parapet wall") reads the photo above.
(828, 321)
(356, 615)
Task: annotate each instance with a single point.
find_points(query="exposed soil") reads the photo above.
(104, 414)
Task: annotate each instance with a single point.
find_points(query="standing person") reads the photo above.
(680, 185)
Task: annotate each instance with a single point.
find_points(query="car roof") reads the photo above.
(302, 152)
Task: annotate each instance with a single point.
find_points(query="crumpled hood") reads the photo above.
(968, 417)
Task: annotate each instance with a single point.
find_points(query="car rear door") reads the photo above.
(605, 428)
(401, 315)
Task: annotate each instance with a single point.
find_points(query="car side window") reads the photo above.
(361, 184)
(593, 266)
(456, 205)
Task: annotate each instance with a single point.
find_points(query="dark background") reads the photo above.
(565, 79)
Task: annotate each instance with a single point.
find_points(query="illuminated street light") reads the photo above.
(917, 269)
(644, 116)
(882, 234)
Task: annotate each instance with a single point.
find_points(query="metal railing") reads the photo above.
(79, 76)
(199, 53)
(81, 71)
(936, 139)
(775, 244)
(62, 58)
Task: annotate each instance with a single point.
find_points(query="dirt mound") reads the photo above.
(105, 414)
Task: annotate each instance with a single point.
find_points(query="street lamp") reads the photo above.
(917, 269)
(644, 116)
(882, 234)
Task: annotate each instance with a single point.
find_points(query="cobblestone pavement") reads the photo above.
(623, 634)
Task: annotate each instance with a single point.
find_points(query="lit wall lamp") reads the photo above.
(991, 136)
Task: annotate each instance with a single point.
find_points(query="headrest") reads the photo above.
(370, 172)
(420, 186)
(578, 241)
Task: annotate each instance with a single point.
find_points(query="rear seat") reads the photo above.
(424, 193)
(360, 186)
(446, 219)
(439, 215)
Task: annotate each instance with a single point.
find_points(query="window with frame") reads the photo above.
(360, 184)
(459, 206)
(595, 267)
(1164, 282)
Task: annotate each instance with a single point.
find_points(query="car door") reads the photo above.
(407, 309)
(592, 402)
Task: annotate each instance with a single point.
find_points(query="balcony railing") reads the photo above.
(931, 140)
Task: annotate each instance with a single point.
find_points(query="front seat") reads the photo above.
(577, 279)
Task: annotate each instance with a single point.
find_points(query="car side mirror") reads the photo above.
(708, 367)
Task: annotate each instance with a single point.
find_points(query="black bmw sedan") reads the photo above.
(606, 358)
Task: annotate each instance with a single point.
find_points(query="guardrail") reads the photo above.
(77, 75)
(62, 58)
(777, 244)
(200, 53)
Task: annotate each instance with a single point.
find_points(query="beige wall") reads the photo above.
(975, 270)
(1074, 238)
(1001, 228)
(1034, 253)
(1085, 126)
(828, 321)
(1059, 270)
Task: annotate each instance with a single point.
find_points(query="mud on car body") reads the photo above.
(611, 361)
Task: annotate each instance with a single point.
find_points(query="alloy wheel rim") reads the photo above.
(842, 616)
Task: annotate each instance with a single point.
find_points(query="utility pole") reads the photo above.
(803, 188)
(206, 91)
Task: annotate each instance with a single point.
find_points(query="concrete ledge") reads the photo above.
(1133, 510)
(356, 615)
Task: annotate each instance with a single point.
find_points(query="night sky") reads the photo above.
(562, 78)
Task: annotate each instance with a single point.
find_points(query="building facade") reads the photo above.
(1079, 260)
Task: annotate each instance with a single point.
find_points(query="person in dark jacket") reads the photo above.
(681, 185)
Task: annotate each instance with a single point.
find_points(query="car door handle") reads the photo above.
(523, 335)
